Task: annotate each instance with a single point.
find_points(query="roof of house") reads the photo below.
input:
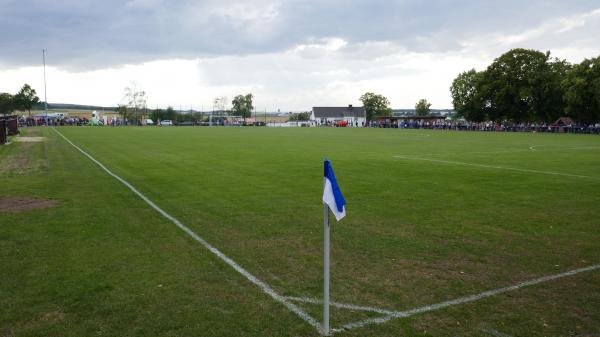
(338, 111)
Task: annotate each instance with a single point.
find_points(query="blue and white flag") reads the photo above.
(332, 196)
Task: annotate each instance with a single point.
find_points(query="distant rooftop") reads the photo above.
(339, 111)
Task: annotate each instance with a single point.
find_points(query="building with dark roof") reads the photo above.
(352, 115)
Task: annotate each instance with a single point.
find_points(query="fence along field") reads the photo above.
(417, 232)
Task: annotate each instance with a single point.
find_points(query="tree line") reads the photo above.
(241, 106)
(23, 100)
(524, 85)
(135, 107)
(377, 105)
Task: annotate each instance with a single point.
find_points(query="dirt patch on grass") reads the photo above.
(21, 164)
(22, 204)
(24, 161)
(51, 316)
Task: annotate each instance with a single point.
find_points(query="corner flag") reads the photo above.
(332, 200)
(332, 196)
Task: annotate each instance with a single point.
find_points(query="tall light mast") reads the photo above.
(45, 93)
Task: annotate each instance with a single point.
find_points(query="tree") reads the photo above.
(123, 112)
(157, 114)
(466, 96)
(551, 104)
(170, 114)
(219, 104)
(520, 85)
(375, 105)
(26, 98)
(422, 107)
(7, 103)
(136, 101)
(242, 106)
(527, 85)
(302, 116)
(581, 87)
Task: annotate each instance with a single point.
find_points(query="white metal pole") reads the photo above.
(325, 271)
(45, 93)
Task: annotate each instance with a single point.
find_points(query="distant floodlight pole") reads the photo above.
(45, 93)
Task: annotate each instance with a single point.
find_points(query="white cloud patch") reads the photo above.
(555, 27)
(318, 48)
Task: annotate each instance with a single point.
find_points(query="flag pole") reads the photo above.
(325, 270)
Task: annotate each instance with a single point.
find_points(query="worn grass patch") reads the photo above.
(22, 204)
(22, 157)
(29, 139)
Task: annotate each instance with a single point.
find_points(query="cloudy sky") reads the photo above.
(291, 55)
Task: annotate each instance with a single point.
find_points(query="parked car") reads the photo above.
(166, 122)
(149, 122)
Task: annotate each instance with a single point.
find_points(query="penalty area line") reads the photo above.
(462, 300)
(341, 305)
(494, 333)
(253, 279)
(452, 162)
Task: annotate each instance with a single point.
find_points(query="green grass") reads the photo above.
(417, 232)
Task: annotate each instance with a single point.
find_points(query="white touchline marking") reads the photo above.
(582, 148)
(341, 305)
(498, 167)
(495, 333)
(531, 148)
(462, 300)
(262, 285)
(475, 152)
(558, 147)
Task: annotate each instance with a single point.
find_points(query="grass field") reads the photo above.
(431, 216)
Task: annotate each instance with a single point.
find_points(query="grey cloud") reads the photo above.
(95, 34)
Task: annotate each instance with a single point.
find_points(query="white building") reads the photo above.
(353, 116)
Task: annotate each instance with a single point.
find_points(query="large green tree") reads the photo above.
(7, 103)
(523, 85)
(375, 105)
(26, 98)
(422, 108)
(242, 106)
(581, 88)
(466, 96)
(527, 85)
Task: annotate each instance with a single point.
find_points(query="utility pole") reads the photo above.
(45, 93)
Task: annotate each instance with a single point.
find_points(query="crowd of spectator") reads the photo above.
(491, 126)
(413, 124)
(39, 121)
(70, 121)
